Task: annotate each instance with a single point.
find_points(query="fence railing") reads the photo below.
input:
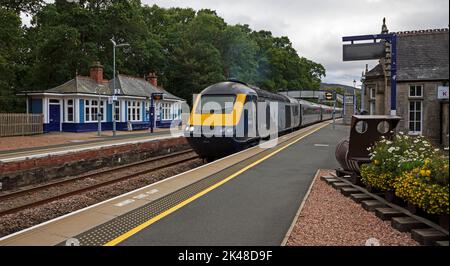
(21, 124)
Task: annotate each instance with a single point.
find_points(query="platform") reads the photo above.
(74, 144)
(249, 198)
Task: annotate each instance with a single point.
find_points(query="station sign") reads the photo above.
(328, 96)
(157, 96)
(112, 99)
(363, 51)
(442, 93)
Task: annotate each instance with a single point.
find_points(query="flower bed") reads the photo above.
(413, 169)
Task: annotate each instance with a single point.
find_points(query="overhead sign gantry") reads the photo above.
(375, 50)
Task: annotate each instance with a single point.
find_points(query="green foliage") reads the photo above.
(11, 35)
(188, 50)
(17, 6)
(413, 169)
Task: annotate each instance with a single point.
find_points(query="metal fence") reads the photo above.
(20, 124)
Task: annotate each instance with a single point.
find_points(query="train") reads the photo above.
(232, 115)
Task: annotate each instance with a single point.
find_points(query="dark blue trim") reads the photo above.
(392, 38)
(367, 37)
(109, 110)
(81, 111)
(87, 127)
(166, 123)
(121, 126)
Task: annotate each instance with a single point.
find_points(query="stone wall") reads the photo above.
(37, 170)
(430, 104)
(431, 121)
(445, 123)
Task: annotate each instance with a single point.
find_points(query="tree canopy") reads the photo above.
(188, 49)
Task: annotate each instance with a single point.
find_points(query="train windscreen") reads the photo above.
(219, 104)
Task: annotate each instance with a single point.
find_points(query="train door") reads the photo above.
(287, 112)
(249, 116)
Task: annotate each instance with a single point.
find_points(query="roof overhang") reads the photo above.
(71, 94)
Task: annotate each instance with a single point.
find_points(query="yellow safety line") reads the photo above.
(142, 226)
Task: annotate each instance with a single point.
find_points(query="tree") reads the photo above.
(239, 54)
(26, 6)
(188, 50)
(10, 49)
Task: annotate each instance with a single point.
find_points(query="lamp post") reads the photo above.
(362, 93)
(99, 107)
(354, 96)
(114, 83)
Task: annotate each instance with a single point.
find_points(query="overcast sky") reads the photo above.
(316, 27)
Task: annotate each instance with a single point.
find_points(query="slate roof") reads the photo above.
(421, 55)
(129, 86)
(139, 87)
(80, 84)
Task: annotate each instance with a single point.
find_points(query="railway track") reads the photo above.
(123, 177)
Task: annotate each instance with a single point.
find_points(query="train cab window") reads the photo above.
(222, 104)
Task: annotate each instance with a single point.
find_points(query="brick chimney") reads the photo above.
(152, 78)
(96, 72)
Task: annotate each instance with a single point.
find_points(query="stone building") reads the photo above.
(422, 84)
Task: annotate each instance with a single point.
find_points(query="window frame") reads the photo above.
(116, 106)
(89, 106)
(415, 132)
(134, 111)
(66, 110)
(415, 91)
(167, 111)
(372, 93)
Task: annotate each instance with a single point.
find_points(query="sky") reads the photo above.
(316, 27)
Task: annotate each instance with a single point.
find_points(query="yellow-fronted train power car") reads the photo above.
(231, 116)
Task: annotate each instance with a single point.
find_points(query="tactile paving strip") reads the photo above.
(116, 227)
(108, 231)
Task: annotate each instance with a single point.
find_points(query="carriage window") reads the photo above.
(222, 104)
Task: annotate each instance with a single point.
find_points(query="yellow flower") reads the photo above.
(422, 172)
(376, 162)
(428, 172)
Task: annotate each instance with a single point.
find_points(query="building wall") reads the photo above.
(445, 123)
(431, 107)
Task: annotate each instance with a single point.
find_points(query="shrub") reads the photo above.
(426, 186)
(410, 166)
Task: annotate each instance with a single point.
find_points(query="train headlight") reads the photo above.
(191, 129)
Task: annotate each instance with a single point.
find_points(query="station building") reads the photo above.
(422, 84)
(75, 105)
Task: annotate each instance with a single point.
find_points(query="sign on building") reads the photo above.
(442, 93)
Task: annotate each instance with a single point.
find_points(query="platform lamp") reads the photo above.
(114, 97)
(100, 114)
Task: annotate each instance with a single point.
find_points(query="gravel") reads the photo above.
(18, 221)
(84, 182)
(330, 219)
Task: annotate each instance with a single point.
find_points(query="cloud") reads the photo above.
(316, 27)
